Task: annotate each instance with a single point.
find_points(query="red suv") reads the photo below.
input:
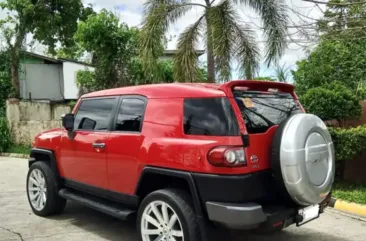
(183, 157)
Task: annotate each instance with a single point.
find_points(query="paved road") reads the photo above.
(78, 223)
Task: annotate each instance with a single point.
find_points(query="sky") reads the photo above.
(130, 12)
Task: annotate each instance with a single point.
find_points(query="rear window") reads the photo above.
(261, 110)
(209, 117)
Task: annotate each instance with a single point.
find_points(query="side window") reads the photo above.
(94, 114)
(130, 115)
(209, 117)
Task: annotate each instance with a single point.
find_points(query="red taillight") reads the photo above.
(227, 157)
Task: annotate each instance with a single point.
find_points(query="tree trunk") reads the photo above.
(210, 60)
(210, 48)
(15, 72)
(15, 51)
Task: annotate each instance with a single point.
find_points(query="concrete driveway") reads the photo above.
(78, 223)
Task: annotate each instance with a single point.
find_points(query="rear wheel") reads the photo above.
(167, 215)
(42, 190)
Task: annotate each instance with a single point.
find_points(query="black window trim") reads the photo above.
(113, 112)
(114, 122)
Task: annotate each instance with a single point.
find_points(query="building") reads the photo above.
(45, 78)
(169, 54)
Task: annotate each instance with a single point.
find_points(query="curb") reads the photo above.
(348, 207)
(14, 155)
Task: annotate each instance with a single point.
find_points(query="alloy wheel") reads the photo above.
(37, 189)
(161, 223)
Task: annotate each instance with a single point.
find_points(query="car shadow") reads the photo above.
(109, 228)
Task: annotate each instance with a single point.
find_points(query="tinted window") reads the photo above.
(94, 114)
(210, 117)
(263, 110)
(130, 115)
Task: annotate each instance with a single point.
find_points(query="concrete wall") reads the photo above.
(71, 90)
(24, 131)
(29, 118)
(41, 81)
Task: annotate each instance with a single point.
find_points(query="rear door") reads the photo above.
(83, 157)
(262, 112)
(125, 144)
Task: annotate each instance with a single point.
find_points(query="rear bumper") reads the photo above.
(236, 216)
(249, 215)
(248, 188)
(247, 201)
(253, 215)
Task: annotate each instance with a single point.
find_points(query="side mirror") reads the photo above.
(68, 122)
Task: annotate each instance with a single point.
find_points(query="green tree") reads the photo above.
(87, 81)
(226, 38)
(343, 19)
(74, 50)
(5, 79)
(49, 21)
(282, 73)
(264, 78)
(332, 60)
(113, 46)
(332, 101)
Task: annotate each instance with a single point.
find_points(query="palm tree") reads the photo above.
(282, 73)
(227, 37)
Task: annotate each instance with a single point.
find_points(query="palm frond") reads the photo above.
(186, 59)
(282, 73)
(221, 21)
(159, 14)
(232, 39)
(275, 19)
(246, 51)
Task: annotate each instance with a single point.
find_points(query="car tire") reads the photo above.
(177, 202)
(41, 180)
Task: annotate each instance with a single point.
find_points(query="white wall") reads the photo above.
(71, 90)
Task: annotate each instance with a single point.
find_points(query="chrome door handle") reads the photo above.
(98, 145)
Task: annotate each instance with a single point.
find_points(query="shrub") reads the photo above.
(5, 136)
(348, 143)
(85, 80)
(332, 60)
(332, 102)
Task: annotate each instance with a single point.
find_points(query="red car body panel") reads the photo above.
(161, 143)
(80, 161)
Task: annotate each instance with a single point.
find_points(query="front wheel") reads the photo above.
(167, 215)
(42, 190)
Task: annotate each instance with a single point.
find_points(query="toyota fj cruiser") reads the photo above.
(186, 156)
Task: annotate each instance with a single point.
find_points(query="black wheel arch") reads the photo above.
(151, 173)
(145, 183)
(47, 156)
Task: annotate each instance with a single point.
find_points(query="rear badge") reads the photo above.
(254, 159)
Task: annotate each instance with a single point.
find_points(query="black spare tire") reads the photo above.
(302, 160)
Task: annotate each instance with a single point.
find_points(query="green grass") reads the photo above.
(19, 149)
(350, 192)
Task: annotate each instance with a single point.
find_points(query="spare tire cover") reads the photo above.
(303, 159)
